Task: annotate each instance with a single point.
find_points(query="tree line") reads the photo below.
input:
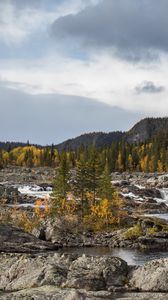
(151, 156)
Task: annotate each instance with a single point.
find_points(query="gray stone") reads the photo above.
(152, 277)
(13, 239)
(96, 273)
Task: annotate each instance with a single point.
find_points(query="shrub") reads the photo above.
(133, 232)
(151, 230)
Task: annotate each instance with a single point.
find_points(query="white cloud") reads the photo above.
(104, 78)
(18, 24)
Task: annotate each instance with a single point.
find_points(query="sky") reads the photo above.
(69, 67)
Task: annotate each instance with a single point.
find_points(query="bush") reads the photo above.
(133, 232)
(151, 230)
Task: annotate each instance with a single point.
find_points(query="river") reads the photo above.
(131, 256)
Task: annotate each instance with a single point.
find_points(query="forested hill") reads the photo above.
(141, 132)
(143, 148)
(146, 129)
(98, 139)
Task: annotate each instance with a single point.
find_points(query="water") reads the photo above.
(158, 216)
(131, 256)
(35, 191)
(164, 194)
(25, 205)
(164, 199)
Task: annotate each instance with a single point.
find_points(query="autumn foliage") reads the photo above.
(25, 219)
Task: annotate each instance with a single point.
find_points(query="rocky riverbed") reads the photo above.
(24, 183)
(37, 265)
(144, 194)
(147, 192)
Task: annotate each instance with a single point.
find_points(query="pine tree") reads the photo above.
(61, 182)
(81, 185)
(93, 173)
(81, 179)
(105, 187)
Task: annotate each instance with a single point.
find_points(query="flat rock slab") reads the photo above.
(54, 293)
(141, 296)
(16, 240)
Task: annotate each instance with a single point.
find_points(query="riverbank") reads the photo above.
(69, 277)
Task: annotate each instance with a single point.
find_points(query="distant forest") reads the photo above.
(148, 156)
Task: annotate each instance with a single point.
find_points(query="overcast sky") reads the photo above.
(74, 66)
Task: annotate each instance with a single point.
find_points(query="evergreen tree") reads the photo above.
(105, 187)
(81, 179)
(93, 173)
(61, 181)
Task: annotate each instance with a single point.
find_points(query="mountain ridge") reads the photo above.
(140, 132)
(143, 130)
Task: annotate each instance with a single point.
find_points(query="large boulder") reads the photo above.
(13, 239)
(152, 277)
(18, 272)
(97, 273)
(63, 231)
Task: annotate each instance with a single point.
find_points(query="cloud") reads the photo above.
(53, 118)
(41, 64)
(149, 87)
(103, 78)
(20, 19)
(131, 29)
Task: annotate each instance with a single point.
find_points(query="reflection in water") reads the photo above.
(131, 256)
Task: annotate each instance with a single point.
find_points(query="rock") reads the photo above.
(39, 233)
(13, 239)
(9, 193)
(153, 243)
(150, 243)
(67, 277)
(96, 273)
(149, 207)
(59, 230)
(18, 272)
(54, 293)
(152, 277)
(120, 183)
(141, 296)
(147, 223)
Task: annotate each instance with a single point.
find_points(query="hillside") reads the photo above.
(150, 155)
(98, 139)
(142, 131)
(146, 129)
